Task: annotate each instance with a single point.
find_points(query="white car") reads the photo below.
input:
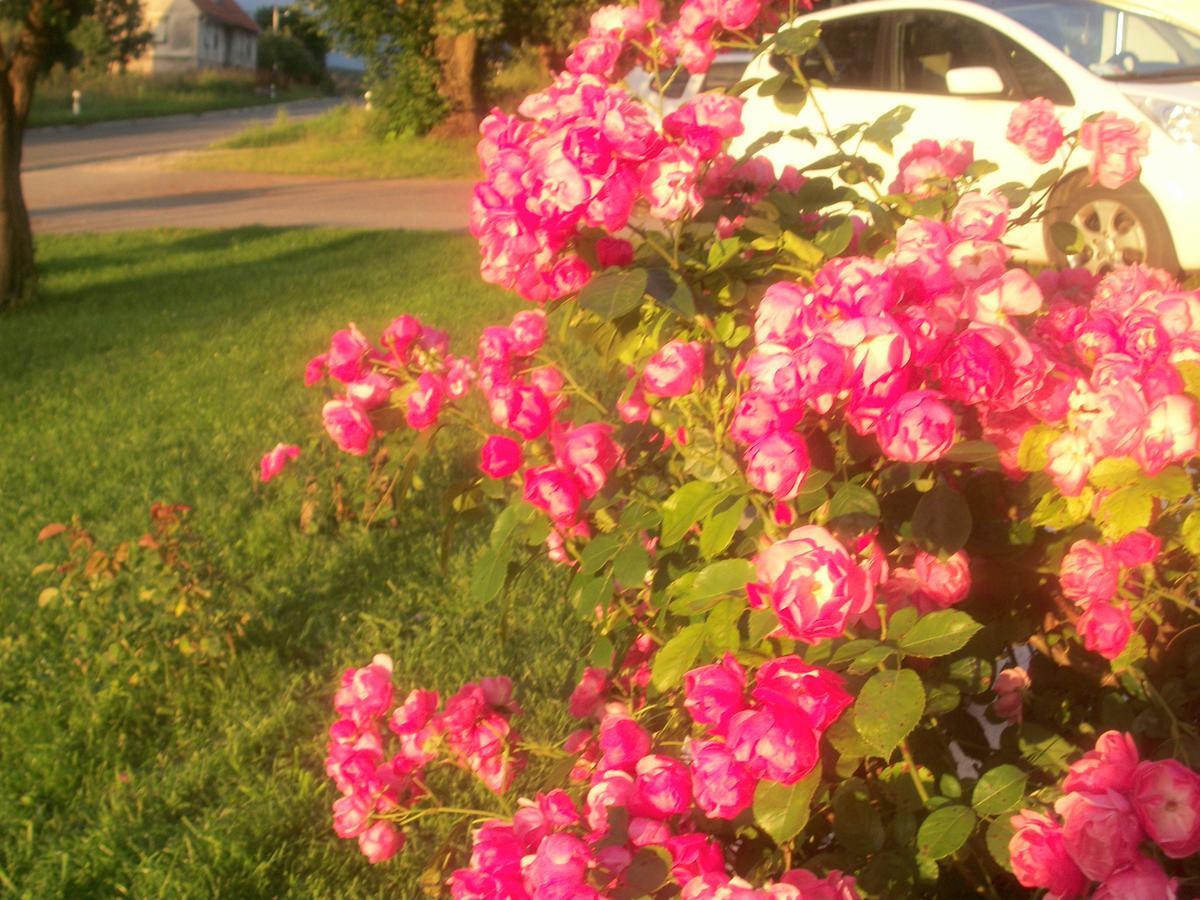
(672, 88)
(964, 66)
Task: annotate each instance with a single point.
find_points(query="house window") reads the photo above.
(160, 30)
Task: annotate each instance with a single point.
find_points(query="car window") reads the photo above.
(673, 83)
(846, 55)
(723, 74)
(1033, 77)
(933, 43)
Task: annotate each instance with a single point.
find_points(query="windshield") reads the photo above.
(1112, 42)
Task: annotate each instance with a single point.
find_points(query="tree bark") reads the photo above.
(457, 50)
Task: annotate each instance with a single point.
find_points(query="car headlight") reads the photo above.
(1180, 121)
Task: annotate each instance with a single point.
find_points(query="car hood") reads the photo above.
(1173, 92)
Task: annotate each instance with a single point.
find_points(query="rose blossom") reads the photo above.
(663, 787)
(381, 841)
(588, 695)
(589, 453)
(346, 351)
(712, 694)
(1143, 880)
(348, 425)
(1035, 128)
(528, 329)
(1010, 686)
(778, 464)
(1040, 859)
(918, 427)
(1089, 573)
(274, 462)
(1109, 766)
(722, 785)
(693, 855)
(1105, 629)
(623, 742)
(554, 491)
(790, 683)
(1166, 799)
(776, 743)
(674, 370)
(980, 216)
(499, 456)
(1137, 548)
(1117, 145)
(942, 584)
(425, 402)
(1099, 831)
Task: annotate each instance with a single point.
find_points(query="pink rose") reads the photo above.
(528, 329)
(1010, 686)
(348, 425)
(1099, 831)
(1035, 128)
(399, 336)
(1014, 293)
(595, 56)
(663, 787)
(1071, 461)
(1143, 880)
(1105, 629)
(669, 183)
(722, 785)
(694, 855)
(823, 370)
(346, 351)
(980, 216)
(274, 462)
(778, 464)
(614, 252)
(1117, 145)
(589, 453)
(314, 371)
(1109, 766)
(674, 370)
(712, 694)
(1138, 548)
(521, 408)
(623, 742)
(918, 427)
(381, 841)
(928, 161)
(791, 683)
(1166, 798)
(1040, 859)
(756, 416)
(371, 391)
(1170, 434)
(351, 814)
(781, 315)
(776, 743)
(500, 456)
(812, 583)
(365, 693)
(942, 584)
(554, 491)
(588, 695)
(1089, 573)
(972, 370)
(614, 788)
(425, 402)
(834, 886)
(559, 868)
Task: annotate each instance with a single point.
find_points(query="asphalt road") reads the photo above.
(115, 176)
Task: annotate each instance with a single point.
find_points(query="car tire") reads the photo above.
(1117, 227)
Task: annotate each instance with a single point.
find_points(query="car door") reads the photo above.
(925, 45)
(848, 64)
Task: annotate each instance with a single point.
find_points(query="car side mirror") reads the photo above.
(974, 80)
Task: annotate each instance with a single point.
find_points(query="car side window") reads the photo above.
(846, 56)
(933, 43)
(672, 84)
(722, 74)
(1034, 77)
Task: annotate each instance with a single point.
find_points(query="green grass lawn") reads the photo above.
(341, 143)
(159, 366)
(133, 96)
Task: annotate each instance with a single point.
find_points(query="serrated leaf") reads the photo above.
(611, 295)
(1066, 237)
(599, 552)
(719, 528)
(850, 651)
(1115, 472)
(884, 130)
(1171, 484)
(941, 523)
(833, 240)
(888, 707)
(1125, 511)
(1033, 455)
(854, 506)
(1190, 533)
(677, 656)
(1043, 748)
(902, 620)
(721, 626)
(684, 508)
(999, 834)
(490, 573)
(998, 790)
(647, 872)
(939, 633)
(726, 576)
(630, 565)
(869, 660)
(944, 831)
(781, 810)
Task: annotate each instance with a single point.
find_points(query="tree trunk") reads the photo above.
(457, 54)
(18, 275)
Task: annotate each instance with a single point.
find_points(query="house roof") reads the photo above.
(227, 11)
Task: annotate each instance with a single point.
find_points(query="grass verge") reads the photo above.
(158, 366)
(133, 96)
(342, 143)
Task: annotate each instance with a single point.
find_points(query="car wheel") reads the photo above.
(1117, 228)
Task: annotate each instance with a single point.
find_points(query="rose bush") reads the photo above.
(888, 543)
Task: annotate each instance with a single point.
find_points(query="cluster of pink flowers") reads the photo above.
(1093, 574)
(377, 786)
(1117, 144)
(1112, 803)
(642, 797)
(929, 167)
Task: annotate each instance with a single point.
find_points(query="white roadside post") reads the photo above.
(76, 97)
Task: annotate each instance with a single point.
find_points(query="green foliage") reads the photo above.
(288, 59)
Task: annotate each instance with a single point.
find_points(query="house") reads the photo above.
(198, 34)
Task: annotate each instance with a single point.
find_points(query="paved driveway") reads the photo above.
(110, 176)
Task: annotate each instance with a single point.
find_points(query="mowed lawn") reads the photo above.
(159, 366)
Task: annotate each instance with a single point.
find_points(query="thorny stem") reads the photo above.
(912, 771)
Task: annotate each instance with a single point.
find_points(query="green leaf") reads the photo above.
(804, 251)
(976, 453)
(761, 623)
(1189, 370)
(631, 564)
(1066, 237)
(719, 528)
(884, 130)
(684, 508)
(1171, 484)
(611, 295)
(726, 576)
(941, 522)
(833, 240)
(944, 831)
(1125, 511)
(677, 656)
(670, 291)
(1115, 472)
(901, 620)
(942, 698)
(490, 573)
(1033, 455)
(888, 707)
(939, 633)
(999, 834)
(781, 810)
(845, 739)
(998, 790)
(850, 651)
(869, 660)
(721, 626)
(856, 822)
(647, 872)
(1190, 533)
(1043, 748)
(599, 552)
(854, 506)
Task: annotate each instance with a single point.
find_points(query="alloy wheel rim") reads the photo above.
(1112, 235)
